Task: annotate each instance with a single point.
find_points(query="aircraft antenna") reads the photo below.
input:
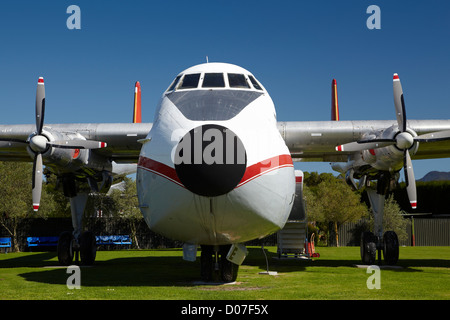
(207, 59)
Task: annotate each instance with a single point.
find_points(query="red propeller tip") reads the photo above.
(35, 207)
(414, 204)
(339, 148)
(396, 77)
(41, 80)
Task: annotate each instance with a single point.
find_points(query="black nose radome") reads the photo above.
(210, 160)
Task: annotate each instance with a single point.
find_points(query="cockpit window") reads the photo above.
(237, 80)
(212, 105)
(213, 80)
(190, 81)
(255, 83)
(174, 83)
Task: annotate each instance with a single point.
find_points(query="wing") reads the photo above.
(121, 139)
(317, 140)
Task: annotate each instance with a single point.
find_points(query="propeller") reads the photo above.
(39, 144)
(37, 162)
(403, 141)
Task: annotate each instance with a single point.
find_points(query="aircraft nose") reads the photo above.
(210, 160)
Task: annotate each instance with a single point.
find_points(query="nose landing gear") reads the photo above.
(215, 265)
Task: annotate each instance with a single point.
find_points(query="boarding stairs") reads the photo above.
(291, 240)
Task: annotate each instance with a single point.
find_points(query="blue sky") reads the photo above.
(295, 48)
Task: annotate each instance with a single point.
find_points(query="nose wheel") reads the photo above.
(215, 266)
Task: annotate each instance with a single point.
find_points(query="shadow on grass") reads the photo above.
(167, 268)
(31, 260)
(294, 265)
(125, 271)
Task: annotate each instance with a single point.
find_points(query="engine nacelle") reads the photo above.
(70, 160)
(368, 163)
(390, 158)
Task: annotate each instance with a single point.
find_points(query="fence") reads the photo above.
(419, 232)
(432, 232)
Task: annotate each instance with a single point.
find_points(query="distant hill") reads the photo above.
(435, 176)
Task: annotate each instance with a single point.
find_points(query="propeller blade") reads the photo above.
(365, 145)
(410, 180)
(399, 103)
(37, 181)
(434, 136)
(77, 144)
(40, 105)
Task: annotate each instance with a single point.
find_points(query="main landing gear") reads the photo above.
(69, 248)
(215, 265)
(76, 244)
(371, 243)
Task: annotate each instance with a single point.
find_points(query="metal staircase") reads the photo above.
(291, 239)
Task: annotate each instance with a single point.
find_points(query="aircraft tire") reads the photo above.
(228, 270)
(206, 263)
(390, 248)
(88, 248)
(368, 248)
(65, 248)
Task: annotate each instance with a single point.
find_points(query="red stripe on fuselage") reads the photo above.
(265, 166)
(160, 169)
(251, 172)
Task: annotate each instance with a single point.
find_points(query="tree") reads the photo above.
(127, 206)
(60, 203)
(333, 201)
(313, 179)
(120, 202)
(16, 201)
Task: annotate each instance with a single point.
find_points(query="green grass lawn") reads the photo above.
(424, 273)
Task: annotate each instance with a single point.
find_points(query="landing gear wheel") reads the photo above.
(368, 248)
(206, 263)
(223, 270)
(88, 248)
(65, 248)
(390, 247)
(228, 270)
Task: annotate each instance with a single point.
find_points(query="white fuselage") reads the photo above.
(257, 204)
